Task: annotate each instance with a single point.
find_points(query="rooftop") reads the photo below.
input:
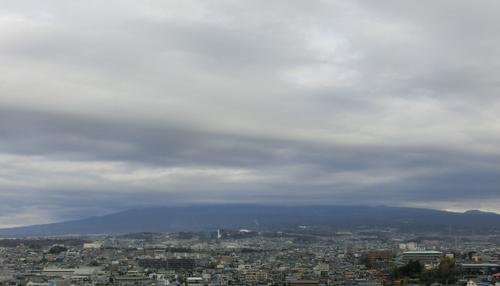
(422, 252)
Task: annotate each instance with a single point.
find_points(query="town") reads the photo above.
(254, 258)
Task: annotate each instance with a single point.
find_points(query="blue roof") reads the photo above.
(423, 252)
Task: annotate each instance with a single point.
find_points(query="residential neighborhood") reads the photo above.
(251, 258)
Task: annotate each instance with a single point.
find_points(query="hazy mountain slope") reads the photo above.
(209, 217)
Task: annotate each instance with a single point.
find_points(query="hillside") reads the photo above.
(209, 217)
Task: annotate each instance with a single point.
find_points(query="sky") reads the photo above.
(113, 105)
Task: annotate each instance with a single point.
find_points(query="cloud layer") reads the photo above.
(111, 105)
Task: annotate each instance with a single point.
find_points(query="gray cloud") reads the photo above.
(108, 106)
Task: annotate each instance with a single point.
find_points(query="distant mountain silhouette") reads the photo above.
(234, 216)
(478, 212)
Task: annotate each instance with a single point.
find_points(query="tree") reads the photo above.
(413, 269)
(57, 249)
(446, 271)
(365, 260)
(470, 254)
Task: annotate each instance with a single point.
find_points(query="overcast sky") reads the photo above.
(112, 105)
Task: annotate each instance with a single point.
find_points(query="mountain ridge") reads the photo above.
(235, 216)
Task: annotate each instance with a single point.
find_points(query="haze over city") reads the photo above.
(111, 105)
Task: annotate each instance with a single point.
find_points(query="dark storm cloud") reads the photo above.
(67, 137)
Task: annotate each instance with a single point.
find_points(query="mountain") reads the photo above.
(232, 216)
(478, 212)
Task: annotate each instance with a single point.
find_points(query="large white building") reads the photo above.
(421, 255)
(409, 246)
